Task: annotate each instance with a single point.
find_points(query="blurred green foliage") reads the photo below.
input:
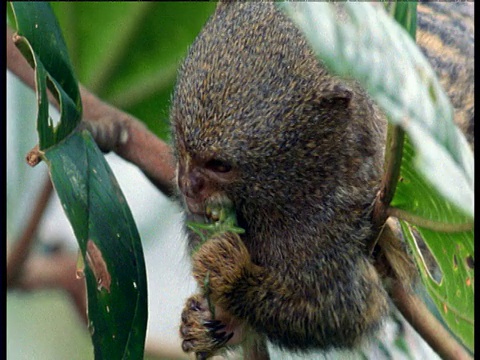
(128, 53)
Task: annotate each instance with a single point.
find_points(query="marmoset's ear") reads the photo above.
(338, 97)
(331, 106)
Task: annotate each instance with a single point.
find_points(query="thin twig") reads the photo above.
(21, 248)
(256, 349)
(427, 223)
(392, 259)
(393, 159)
(431, 330)
(395, 141)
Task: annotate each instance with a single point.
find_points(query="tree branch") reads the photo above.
(129, 138)
(256, 349)
(431, 330)
(113, 130)
(21, 247)
(55, 272)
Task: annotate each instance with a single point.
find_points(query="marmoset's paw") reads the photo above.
(199, 331)
(219, 263)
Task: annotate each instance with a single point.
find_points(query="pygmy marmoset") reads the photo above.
(256, 117)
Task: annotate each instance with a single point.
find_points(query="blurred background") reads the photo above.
(128, 54)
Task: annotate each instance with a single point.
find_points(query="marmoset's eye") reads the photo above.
(219, 166)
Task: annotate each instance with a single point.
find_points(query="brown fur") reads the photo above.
(299, 152)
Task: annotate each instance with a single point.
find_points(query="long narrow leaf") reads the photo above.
(110, 244)
(41, 42)
(97, 210)
(454, 254)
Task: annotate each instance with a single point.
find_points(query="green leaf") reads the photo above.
(127, 53)
(364, 38)
(405, 13)
(109, 243)
(436, 184)
(221, 218)
(454, 294)
(96, 208)
(42, 44)
(415, 196)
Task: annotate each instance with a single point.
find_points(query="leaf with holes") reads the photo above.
(452, 247)
(454, 254)
(40, 41)
(96, 208)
